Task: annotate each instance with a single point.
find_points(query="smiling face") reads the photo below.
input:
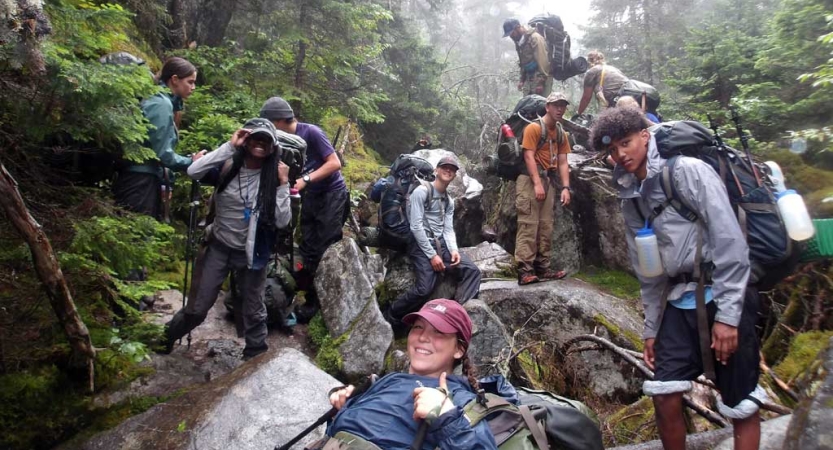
(631, 152)
(183, 87)
(259, 145)
(446, 173)
(431, 351)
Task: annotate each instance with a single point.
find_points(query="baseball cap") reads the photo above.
(276, 108)
(447, 316)
(261, 126)
(509, 25)
(449, 160)
(557, 97)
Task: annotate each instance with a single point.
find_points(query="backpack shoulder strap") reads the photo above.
(669, 188)
(475, 411)
(538, 433)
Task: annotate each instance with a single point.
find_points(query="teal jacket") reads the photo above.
(162, 135)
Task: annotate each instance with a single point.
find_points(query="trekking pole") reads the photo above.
(327, 415)
(420, 436)
(744, 140)
(189, 242)
(722, 148)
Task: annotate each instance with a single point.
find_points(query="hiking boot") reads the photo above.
(527, 278)
(396, 325)
(251, 352)
(165, 346)
(550, 274)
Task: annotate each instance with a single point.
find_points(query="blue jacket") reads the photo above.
(384, 416)
(162, 135)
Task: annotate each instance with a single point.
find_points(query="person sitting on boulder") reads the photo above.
(432, 246)
(390, 412)
(672, 341)
(250, 203)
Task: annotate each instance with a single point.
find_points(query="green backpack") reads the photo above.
(542, 421)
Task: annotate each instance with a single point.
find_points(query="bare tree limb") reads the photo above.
(49, 272)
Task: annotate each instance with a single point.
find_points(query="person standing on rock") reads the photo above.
(532, 58)
(389, 413)
(713, 247)
(432, 247)
(324, 197)
(535, 192)
(250, 203)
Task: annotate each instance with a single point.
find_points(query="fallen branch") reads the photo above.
(635, 359)
(49, 272)
(778, 382)
(710, 415)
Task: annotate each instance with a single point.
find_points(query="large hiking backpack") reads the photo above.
(406, 174)
(540, 420)
(641, 92)
(278, 294)
(562, 66)
(772, 253)
(509, 161)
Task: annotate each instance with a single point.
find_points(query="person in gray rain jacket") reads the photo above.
(250, 203)
(671, 336)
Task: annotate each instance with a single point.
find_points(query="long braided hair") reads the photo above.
(267, 190)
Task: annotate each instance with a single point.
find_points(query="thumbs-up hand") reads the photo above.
(430, 403)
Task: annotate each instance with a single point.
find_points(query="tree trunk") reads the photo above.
(177, 35)
(213, 19)
(46, 265)
(33, 25)
(303, 21)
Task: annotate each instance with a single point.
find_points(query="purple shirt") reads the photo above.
(318, 149)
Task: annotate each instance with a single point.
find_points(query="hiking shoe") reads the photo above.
(165, 346)
(552, 274)
(527, 278)
(249, 353)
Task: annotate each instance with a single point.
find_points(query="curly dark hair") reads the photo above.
(616, 123)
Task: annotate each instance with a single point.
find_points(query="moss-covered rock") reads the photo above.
(633, 423)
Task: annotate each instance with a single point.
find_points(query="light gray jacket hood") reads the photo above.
(723, 242)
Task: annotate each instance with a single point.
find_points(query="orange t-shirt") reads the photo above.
(546, 159)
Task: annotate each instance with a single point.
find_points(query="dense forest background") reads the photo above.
(384, 71)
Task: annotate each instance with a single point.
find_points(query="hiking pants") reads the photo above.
(138, 192)
(538, 83)
(467, 274)
(322, 217)
(213, 265)
(533, 242)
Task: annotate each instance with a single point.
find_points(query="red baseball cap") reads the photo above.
(447, 316)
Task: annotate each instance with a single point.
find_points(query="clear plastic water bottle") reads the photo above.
(777, 176)
(796, 217)
(647, 252)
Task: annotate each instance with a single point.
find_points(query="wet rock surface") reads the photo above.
(257, 406)
(555, 311)
(811, 427)
(350, 310)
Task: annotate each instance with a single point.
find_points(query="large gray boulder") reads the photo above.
(490, 342)
(490, 258)
(772, 435)
(349, 308)
(810, 428)
(266, 402)
(556, 311)
(589, 231)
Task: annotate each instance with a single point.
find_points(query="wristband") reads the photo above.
(568, 188)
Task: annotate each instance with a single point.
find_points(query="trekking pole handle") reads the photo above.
(420, 436)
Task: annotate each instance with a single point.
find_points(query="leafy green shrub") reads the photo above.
(121, 244)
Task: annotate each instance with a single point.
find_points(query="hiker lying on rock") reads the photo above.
(249, 204)
(432, 245)
(390, 412)
(697, 271)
